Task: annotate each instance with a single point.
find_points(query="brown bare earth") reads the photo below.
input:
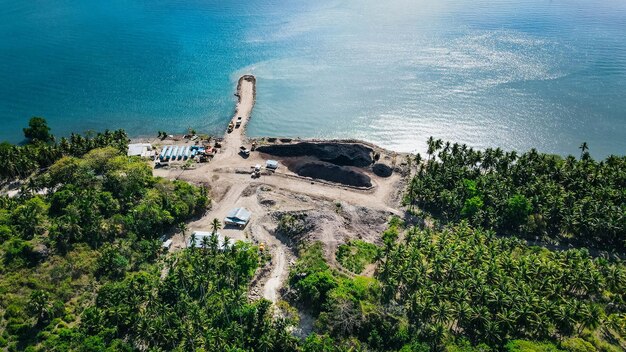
(332, 212)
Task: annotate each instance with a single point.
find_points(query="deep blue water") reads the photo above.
(510, 73)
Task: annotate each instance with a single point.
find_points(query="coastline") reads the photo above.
(243, 107)
(232, 182)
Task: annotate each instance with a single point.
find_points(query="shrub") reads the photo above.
(355, 255)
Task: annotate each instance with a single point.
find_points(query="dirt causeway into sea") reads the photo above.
(334, 162)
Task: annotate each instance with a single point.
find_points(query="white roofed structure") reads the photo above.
(143, 150)
(238, 217)
(197, 239)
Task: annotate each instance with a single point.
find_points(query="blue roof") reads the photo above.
(271, 163)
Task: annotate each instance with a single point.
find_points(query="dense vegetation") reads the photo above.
(83, 267)
(83, 223)
(532, 195)
(356, 254)
(464, 287)
(41, 151)
(200, 303)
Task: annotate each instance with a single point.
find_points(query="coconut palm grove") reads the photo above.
(498, 251)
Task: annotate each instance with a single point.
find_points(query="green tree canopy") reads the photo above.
(38, 130)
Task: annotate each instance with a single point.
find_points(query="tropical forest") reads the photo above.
(496, 251)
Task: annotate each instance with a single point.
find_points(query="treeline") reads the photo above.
(83, 223)
(461, 289)
(532, 195)
(199, 304)
(42, 150)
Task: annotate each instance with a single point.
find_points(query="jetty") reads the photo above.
(246, 97)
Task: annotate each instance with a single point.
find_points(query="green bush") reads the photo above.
(576, 344)
(530, 346)
(18, 252)
(355, 255)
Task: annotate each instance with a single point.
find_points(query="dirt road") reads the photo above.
(231, 188)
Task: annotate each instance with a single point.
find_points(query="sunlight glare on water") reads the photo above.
(506, 73)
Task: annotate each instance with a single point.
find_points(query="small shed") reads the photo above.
(238, 217)
(167, 244)
(271, 164)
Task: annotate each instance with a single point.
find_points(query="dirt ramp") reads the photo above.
(344, 154)
(330, 172)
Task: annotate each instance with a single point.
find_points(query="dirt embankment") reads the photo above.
(342, 154)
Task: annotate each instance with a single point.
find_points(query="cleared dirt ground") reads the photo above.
(335, 212)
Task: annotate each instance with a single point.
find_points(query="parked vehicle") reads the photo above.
(257, 171)
(243, 150)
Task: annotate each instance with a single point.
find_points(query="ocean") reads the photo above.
(516, 74)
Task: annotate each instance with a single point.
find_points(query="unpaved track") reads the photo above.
(221, 173)
(278, 275)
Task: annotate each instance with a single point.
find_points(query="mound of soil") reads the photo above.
(382, 170)
(344, 154)
(331, 172)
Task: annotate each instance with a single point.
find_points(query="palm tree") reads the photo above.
(216, 225)
(431, 146)
(418, 160)
(192, 241)
(182, 227)
(205, 242)
(265, 343)
(39, 305)
(584, 148)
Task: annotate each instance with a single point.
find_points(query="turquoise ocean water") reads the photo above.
(510, 73)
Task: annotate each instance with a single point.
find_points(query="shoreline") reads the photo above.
(243, 107)
(232, 182)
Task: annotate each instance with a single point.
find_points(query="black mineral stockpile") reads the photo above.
(331, 172)
(382, 170)
(336, 153)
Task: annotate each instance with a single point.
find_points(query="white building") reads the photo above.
(197, 239)
(143, 150)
